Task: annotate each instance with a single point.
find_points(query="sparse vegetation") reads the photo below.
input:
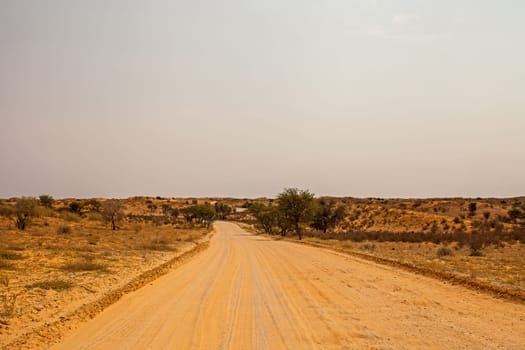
(84, 265)
(24, 211)
(112, 212)
(327, 215)
(444, 251)
(46, 200)
(57, 285)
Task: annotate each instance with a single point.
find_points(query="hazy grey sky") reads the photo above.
(243, 98)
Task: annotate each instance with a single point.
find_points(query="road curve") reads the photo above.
(247, 292)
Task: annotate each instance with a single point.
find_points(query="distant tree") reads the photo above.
(24, 210)
(170, 214)
(46, 200)
(202, 214)
(222, 210)
(486, 215)
(206, 213)
(267, 216)
(92, 205)
(295, 207)
(327, 215)
(188, 213)
(515, 214)
(112, 212)
(75, 207)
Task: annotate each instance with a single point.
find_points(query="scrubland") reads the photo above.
(67, 257)
(473, 241)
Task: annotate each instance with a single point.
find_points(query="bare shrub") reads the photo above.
(112, 212)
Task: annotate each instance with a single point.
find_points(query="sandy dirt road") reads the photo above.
(247, 292)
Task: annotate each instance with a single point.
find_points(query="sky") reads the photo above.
(363, 98)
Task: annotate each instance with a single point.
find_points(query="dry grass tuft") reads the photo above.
(57, 285)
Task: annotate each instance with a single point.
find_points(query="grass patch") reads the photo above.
(10, 256)
(80, 266)
(57, 285)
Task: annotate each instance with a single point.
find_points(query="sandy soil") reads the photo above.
(248, 292)
(39, 315)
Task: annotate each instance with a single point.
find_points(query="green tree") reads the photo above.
(46, 200)
(295, 207)
(327, 215)
(267, 216)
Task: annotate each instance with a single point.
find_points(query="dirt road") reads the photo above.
(247, 292)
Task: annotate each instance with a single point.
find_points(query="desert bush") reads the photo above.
(86, 265)
(46, 200)
(327, 215)
(75, 207)
(444, 251)
(476, 244)
(57, 285)
(92, 205)
(63, 229)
